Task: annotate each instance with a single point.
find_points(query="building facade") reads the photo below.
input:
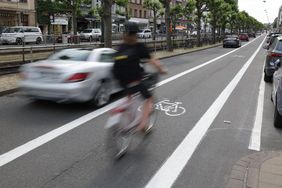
(138, 13)
(279, 20)
(17, 13)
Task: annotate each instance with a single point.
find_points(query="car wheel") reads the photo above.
(19, 41)
(277, 118)
(224, 46)
(38, 40)
(101, 96)
(267, 78)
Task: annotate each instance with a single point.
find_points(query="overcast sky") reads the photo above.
(256, 9)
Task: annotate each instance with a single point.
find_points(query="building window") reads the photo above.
(135, 13)
(140, 13)
(130, 12)
(145, 14)
(140, 2)
(25, 20)
(22, 1)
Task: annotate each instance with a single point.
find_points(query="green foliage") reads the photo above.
(153, 5)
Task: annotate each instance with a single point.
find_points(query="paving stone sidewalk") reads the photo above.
(258, 170)
(8, 83)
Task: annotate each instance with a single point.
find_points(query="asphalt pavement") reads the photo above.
(199, 150)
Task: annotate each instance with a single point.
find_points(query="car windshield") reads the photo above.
(71, 55)
(12, 30)
(231, 37)
(87, 31)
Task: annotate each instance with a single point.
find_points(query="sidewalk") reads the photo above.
(8, 83)
(258, 170)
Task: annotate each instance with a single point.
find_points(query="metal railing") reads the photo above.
(11, 57)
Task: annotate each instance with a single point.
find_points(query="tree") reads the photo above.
(166, 4)
(201, 6)
(124, 4)
(107, 22)
(188, 10)
(155, 6)
(176, 12)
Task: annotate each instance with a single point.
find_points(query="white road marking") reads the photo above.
(256, 132)
(170, 170)
(37, 142)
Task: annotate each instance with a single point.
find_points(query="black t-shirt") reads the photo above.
(127, 66)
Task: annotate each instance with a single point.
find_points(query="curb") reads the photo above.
(246, 172)
(195, 50)
(7, 92)
(10, 91)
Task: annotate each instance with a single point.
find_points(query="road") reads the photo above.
(219, 90)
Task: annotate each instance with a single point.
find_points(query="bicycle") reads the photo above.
(125, 118)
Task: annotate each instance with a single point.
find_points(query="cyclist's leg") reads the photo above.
(147, 105)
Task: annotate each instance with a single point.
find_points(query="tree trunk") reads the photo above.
(74, 17)
(107, 17)
(168, 22)
(198, 28)
(155, 24)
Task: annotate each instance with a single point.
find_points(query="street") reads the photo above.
(45, 144)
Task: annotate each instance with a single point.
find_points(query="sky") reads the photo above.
(256, 9)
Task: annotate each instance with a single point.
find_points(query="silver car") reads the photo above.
(71, 75)
(277, 84)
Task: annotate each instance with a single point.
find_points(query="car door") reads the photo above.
(27, 35)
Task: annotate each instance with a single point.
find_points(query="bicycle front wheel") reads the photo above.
(117, 142)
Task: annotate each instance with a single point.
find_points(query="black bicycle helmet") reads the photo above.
(131, 28)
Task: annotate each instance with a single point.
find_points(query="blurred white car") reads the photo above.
(145, 33)
(71, 75)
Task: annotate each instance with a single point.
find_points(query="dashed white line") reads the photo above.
(37, 142)
(170, 170)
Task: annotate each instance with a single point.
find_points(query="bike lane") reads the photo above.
(85, 145)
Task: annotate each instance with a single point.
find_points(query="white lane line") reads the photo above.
(170, 170)
(37, 142)
(200, 66)
(256, 132)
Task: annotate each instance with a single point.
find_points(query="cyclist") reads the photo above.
(128, 68)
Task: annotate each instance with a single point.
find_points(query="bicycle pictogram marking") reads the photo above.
(169, 108)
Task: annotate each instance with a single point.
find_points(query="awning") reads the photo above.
(180, 27)
(139, 20)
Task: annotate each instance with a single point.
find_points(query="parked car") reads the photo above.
(145, 33)
(91, 35)
(270, 35)
(20, 34)
(271, 39)
(71, 75)
(69, 39)
(274, 53)
(277, 85)
(244, 37)
(231, 41)
(252, 34)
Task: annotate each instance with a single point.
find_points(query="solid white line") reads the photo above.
(256, 132)
(37, 142)
(170, 170)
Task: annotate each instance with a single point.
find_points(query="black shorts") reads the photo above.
(141, 87)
